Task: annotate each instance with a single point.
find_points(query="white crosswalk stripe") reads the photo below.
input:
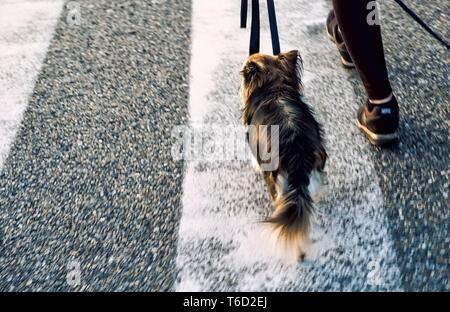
(219, 243)
(26, 28)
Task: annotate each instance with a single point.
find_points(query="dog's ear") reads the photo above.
(291, 58)
(292, 63)
(252, 73)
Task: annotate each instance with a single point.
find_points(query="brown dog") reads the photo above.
(271, 95)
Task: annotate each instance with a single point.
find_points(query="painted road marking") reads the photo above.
(26, 28)
(220, 247)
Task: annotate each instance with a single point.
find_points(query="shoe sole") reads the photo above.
(346, 64)
(378, 139)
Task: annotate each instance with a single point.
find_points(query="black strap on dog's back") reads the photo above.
(255, 27)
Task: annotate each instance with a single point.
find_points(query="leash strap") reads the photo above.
(244, 6)
(273, 27)
(421, 22)
(255, 26)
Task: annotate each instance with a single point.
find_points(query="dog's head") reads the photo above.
(262, 71)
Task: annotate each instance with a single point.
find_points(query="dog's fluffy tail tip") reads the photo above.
(290, 226)
(287, 249)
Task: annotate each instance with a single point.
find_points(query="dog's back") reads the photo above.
(301, 159)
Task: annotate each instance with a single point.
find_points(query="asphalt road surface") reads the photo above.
(92, 199)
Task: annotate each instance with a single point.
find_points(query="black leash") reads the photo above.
(421, 22)
(255, 30)
(244, 6)
(255, 27)
(273, 27)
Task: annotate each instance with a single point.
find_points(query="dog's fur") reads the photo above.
(271, 95)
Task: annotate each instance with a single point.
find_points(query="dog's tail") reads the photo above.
(291, 222)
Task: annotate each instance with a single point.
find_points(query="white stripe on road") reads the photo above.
(219, 243)
(26, 28)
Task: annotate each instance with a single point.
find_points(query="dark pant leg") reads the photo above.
(364, 43)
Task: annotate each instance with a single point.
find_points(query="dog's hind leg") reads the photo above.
(255, 164)
(317, 185)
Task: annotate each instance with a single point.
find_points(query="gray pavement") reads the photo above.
(90, 177)
(415, 176)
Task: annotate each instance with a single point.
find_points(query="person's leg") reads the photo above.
(362, 46)
(365, 46)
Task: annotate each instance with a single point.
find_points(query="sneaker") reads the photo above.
(334, 35)
(379, 122)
